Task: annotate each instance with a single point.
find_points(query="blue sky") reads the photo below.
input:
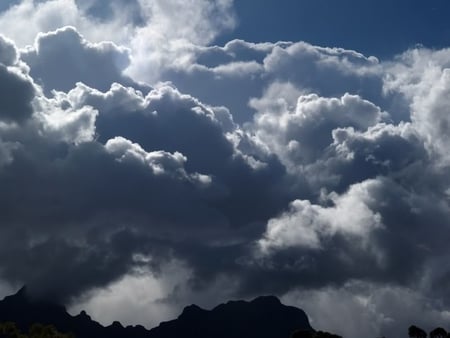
(380, 28)
(157, 153)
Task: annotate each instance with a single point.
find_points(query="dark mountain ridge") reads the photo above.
(263, 317)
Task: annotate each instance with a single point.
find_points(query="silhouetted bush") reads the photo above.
(416, 332)
(438, 332)
(10, 330)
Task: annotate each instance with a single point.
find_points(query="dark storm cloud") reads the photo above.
(167, 119)
(325, 185)
(163, 171)
(83, 201)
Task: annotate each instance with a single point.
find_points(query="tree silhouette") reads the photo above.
(438, 332)
(416, 332)
(46, 331)
(10, 330)
(312, 334)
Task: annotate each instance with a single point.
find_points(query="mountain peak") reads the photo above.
(191, 311)
(22, 291)
(21, 296)
(263, 317)
(269, 300)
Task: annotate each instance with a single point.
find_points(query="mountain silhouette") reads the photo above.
(263, 317)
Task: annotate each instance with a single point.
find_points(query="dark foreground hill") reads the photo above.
(264, 317)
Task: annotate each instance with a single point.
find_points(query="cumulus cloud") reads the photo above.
(422, 76)
(60, 59)
(158, 33)
(307, 225)
(174, 29)
(233, 74)
(302, 134)
(45, 16)
(155, 166)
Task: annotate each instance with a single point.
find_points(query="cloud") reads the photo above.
(422, 76)
(45, 16)
(302, 133)
(117, 174)
(369, 309)
(148, 298)
(145, 307)
(174, 29)
(16, 93)
(307, 225)
(16, 88)
(318, 170)
(8, 51)
(231, 75)
(157, 32)
(60, 59)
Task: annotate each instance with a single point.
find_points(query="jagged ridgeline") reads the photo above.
(264, 317)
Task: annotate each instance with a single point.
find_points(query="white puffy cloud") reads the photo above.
(159, 162)
(45, 16)
(61, 122)
(174, 29)
(423, 77)
(306, 225)
(157, 32)
(300, 134)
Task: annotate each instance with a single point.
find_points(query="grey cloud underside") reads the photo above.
(16, 95)
(301, 166)
(17, 90)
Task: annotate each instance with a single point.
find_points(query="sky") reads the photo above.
(381, 28)
(158, 153)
